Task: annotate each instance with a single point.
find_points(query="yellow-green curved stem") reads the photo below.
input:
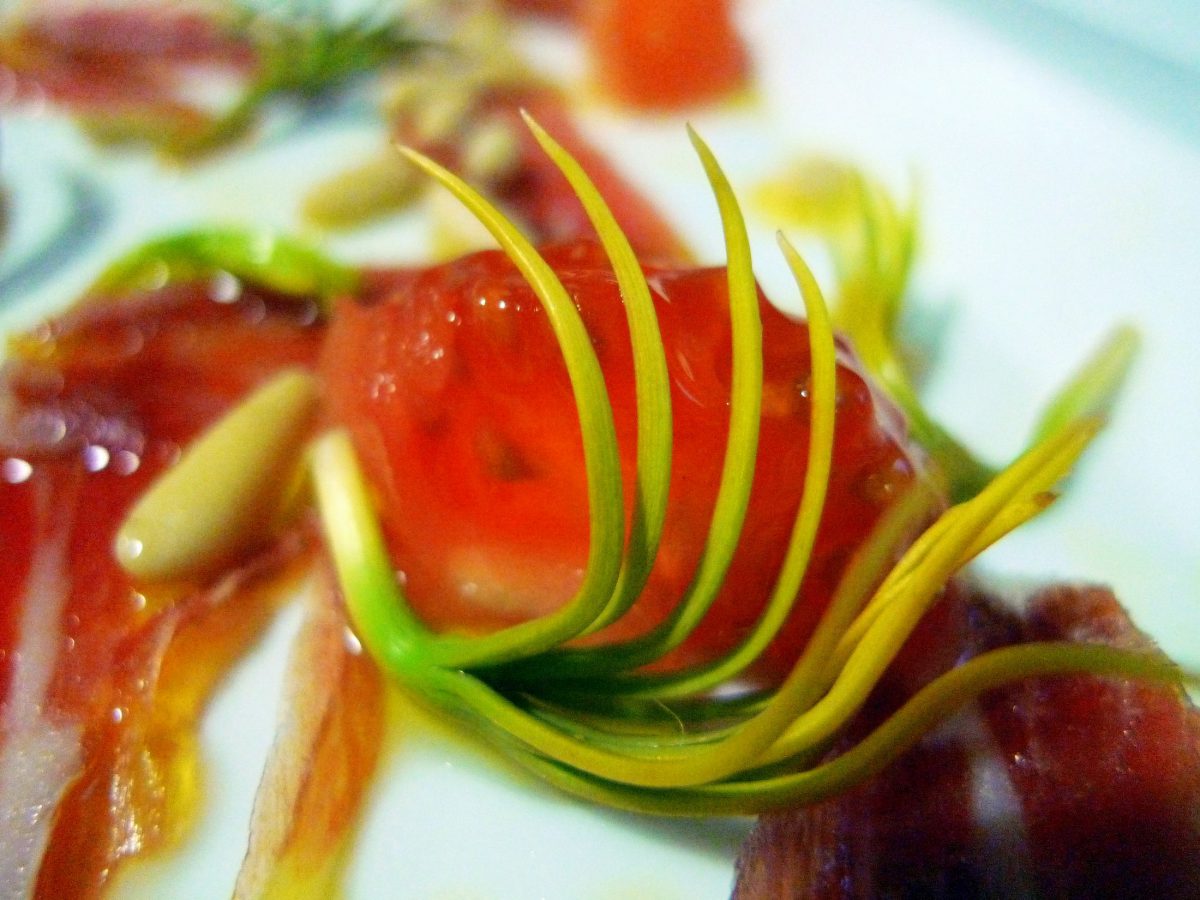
(1038, 470)
(652, 385)
(745, 408)
(777, 731)
(883, 639)
(383, 621)
(601, 459)
(931, 705)
(1093, 388)
(823, 399)
(737, 475)
(1017, 513)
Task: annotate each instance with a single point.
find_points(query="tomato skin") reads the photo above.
(668, 54)
(453, 388)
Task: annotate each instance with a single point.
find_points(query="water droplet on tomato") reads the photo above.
(125, 462)
(95, 458)
(225, 288)
(15, 470)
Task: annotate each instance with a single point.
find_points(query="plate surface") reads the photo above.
(1051, 211)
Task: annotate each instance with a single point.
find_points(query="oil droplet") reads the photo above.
(46, 427)
(125, 462)
(129, 549)
(95, 458)
(225, 288)
(15, 470)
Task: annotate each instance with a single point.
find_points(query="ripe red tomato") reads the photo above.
(666, 54)
(455, 393)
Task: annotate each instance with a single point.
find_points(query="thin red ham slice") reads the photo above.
(103, 679)
(1108, 771)
(530, 186)
(1070, 786)
(132, 60)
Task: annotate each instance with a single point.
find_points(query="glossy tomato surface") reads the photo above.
(455, 393)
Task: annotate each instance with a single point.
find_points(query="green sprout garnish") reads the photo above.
(303, 55)
(279, 263)
(302, 52)
(587, 719)
(872, 238)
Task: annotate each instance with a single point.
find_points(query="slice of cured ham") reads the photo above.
(131, 60)
(1065, 786)
(1108, 771)
(104, 680)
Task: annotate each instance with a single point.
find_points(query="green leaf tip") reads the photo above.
(280, 263)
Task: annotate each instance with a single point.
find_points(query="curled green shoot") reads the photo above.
(585, 718)
(653, 394)
(279, 263)
(930, 706)
(601, 459)
(383, 621)
(737, 475)
(808, 517)
(872, 239)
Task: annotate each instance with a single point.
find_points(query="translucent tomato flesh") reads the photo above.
(665, 55)
(455, 393)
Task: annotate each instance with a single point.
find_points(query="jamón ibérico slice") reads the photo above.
(1108, 771)
(910, 834)
(104, 678)
(1065, 786)
(123, 61)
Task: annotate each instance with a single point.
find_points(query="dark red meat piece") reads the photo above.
(1108, 771)
(1062, 787)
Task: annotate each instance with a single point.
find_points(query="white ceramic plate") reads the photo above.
(1051, 212)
